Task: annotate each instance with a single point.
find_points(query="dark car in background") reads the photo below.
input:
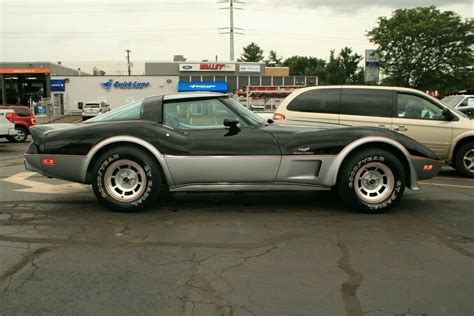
(23, 119)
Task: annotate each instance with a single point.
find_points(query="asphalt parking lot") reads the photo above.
(232, 254)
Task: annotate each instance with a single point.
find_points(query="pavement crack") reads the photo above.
(350, 286)
(29, 258)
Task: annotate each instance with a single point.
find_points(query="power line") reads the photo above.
(118, 32)
(37, 4)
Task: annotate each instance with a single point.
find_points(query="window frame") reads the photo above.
(391, 108)
(395, 112)
(338, 107)
(229, 108)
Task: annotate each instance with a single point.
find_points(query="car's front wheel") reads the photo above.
(20, 137)
(126, 179)
(464, 160)
(371, 180)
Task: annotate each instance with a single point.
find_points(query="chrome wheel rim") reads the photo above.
(374, 182)
(125, 180)
(20, 135)
(468, 160)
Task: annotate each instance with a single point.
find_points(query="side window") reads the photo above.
(22, 112)
(367, 102)
(317, 101)
(415, 107)
(197, 114)
(131, 111)
(467, 102)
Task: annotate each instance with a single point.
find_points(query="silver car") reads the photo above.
(92, 109)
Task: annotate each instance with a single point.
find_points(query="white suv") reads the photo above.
(446, 131)
(91, 109)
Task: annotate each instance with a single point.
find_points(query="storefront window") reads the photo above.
(25, 89)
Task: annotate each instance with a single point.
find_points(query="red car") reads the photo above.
(23, 119)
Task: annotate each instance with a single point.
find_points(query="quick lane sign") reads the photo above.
(108, 85)
(216, 86)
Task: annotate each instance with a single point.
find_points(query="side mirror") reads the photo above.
(231, 122)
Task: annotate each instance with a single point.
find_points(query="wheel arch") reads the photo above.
(388, 144)
(23, 125)
(108, 143)
(459, 144)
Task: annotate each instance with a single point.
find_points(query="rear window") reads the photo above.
(318, 101)
(367, 102)
(22, 112)
(131, 111)
(92, 105)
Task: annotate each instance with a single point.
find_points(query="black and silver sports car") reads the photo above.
(209, 142)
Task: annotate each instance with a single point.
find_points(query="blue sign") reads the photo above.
(210, 86)
(58, 85)
(124, 84)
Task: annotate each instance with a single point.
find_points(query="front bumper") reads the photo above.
(426, 168)
(12, 132)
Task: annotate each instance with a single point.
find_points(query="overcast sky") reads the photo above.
(52, 30)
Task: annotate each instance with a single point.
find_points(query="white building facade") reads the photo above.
(114, 90)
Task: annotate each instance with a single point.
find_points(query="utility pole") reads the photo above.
(129, 65)
(231, 29)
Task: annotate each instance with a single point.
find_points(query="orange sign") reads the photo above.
(25, 70)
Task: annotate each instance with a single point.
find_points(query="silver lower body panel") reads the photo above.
(236, 187)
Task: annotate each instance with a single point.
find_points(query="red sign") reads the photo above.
(25, 70)
(211, 66)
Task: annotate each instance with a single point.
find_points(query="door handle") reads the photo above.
(384, 126)
(401, 128)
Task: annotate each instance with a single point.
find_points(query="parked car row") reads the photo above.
(446, 131)
(21, 118)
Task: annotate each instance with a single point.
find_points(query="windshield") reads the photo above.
(91, 105)
(452, 101)
(249, 115)
(131, 111)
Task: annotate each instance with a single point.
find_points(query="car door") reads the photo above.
(198, 147)
(423, 120)
(366, 107)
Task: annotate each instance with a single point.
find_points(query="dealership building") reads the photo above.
(25, 83)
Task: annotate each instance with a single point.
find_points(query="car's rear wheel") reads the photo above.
(464, 160)
(126, 179)
(371, 180)
(20, 137)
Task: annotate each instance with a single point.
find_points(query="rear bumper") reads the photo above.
(8, 132)
(65, 167)
(426, 168)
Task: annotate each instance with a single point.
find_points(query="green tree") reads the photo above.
(306, 66)
(425, 48)
(273, 59)
(251, 53)
(344, 68)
